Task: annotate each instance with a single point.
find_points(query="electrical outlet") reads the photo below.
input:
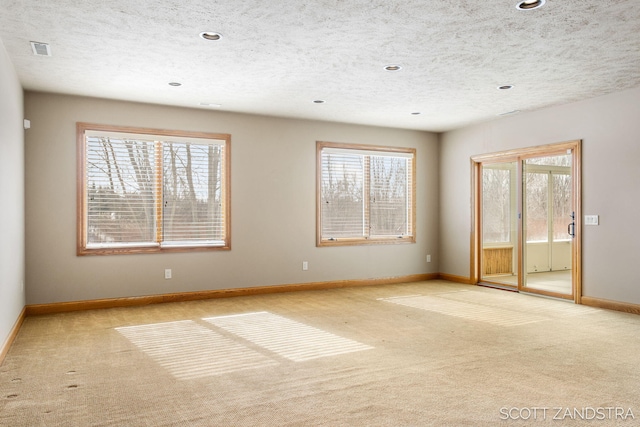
(428, 258)
(167, 273)
(305, 265)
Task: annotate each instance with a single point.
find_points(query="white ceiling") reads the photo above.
(276, 57)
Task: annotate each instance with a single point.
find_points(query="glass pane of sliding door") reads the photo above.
(547, 226)
(499, 224)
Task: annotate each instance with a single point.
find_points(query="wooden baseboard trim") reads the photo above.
(611, 305)
(454, 278)
(64, 307)
(12, 335)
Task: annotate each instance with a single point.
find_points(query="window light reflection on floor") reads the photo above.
(287, 338)
(188, 350)
(531, 304)
(466, 310)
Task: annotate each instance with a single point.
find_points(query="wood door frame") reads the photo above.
(518, 155)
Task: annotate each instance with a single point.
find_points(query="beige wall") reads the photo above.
(273, 206)
(610, 129)
(12, 196)
(274, 231)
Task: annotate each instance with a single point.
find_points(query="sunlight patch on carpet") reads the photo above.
(493, 315)
(531, 304)
(188, 350)
(287, 338)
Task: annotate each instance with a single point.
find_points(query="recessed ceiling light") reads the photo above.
(175, 84)
(393, 67)
(530, 4)
(505, 87)
(416, 113)
(319, 101)
(210, 104)
(210, 35)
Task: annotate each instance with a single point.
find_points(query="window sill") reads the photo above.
(363, 241)
(149, 250)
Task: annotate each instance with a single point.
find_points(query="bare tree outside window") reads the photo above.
(537, 204)
(120, 191)
(343, 195)
(496, 204)
(192, 192)
(562, 207)
(388, 196)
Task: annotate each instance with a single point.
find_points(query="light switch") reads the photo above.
(591, 220)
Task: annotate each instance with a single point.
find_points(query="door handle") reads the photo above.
(571, 229)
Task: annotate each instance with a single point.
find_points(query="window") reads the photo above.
(498, 203)
(365, 194)
(149, 191)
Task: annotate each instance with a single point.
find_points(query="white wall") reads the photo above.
(610, 129)
(12, 195)
(273, 207)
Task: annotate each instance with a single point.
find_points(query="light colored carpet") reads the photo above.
(421, 354)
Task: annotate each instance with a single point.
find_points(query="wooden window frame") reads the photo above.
(365, 240)
(81, 196)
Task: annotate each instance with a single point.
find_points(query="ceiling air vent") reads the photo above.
(41, 49)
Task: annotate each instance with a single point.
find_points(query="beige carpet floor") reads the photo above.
(422, 354)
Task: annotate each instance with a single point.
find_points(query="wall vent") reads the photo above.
(41, 49)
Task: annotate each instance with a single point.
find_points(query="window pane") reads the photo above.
(389, 198)
(342, 198)
(562, 209)
(192, 208)
(560, 160)
(120, 189)
(496, 205)
(537, 203)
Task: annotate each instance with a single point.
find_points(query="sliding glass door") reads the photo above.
(526, 220)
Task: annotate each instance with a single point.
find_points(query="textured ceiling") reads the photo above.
(276, 57)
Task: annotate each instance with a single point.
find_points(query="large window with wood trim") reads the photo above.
(148, 191)
(365, 194)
